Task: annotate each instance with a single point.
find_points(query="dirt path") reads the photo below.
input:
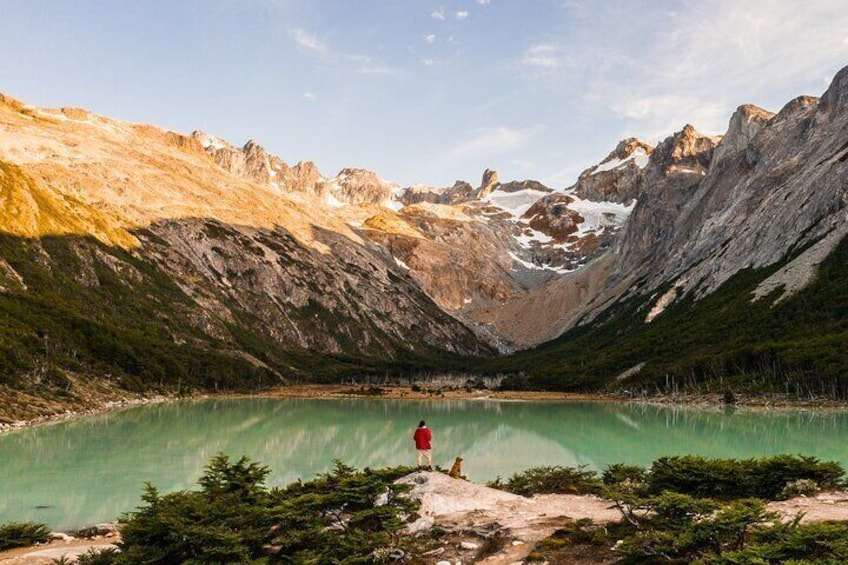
(45, 554)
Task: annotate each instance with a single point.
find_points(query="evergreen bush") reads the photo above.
(22, 534)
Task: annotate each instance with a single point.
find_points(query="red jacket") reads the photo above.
(422, 438)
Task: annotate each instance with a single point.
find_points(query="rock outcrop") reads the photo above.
(615, 179)
(358, 186)
(488, 184)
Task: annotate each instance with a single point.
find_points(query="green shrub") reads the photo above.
(105, 556)
(22, 534)
(765, 478)
(799, 487)
(685, 528)
(820, 543)
(340, 517)
(551, 480)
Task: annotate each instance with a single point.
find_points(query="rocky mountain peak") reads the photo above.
(303, 177)
(628, 146)
(629, 151)
(687, 151)
(488, 184)
(745, 124)
(613, 178)
(836, 95)
(360, 186)
(796, 105)
(251, 161)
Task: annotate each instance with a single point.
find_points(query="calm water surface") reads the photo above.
(90, 470)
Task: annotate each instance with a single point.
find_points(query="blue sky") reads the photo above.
(420, 90)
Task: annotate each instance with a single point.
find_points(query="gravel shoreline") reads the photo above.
(374, 392)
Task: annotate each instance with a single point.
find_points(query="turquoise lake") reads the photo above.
(90, 470)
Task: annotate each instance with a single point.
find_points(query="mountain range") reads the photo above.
(136, 258)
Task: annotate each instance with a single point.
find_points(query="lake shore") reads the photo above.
(423, 393)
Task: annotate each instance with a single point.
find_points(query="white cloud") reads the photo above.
(430, 38)
(484, 2)
(354, 62)
(307, 41)
(663, 114)
(309, 96)
(730, 52)
(492, 141)
(698, 62)
(542, 56)
(438, 14)
(428, 62)
(461, 15)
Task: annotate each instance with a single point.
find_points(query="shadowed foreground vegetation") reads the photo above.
(685, 509)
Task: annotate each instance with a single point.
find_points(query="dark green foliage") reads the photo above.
(619, 473)
(821, 543)
(550, 480)
(227, 521)
(233, 518)
(696, 510)
(764, 478)
(741, 532)
(106, 556)
(721, 343)
(22, 534)
(769, 478)
(683, 527)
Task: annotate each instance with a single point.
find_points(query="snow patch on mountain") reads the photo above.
(599, 215)
(639, 157)
(516, 203)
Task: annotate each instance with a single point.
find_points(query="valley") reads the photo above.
(136, 260)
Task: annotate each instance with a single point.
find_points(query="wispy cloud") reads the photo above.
(494, 141)
(307, 41)
(461, 14)
(430, 38)
(354, 62)
(484, 2)
(438, 14)
(309, 96)
(542, 56)
(695, 63)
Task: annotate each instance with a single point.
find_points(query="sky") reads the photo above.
(424, 91)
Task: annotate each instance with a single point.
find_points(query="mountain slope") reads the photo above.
(135, 258)
(129, 255)
(731, 265)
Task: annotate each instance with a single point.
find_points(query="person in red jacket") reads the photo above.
(423, 437)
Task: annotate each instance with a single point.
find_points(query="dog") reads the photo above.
(456, 469)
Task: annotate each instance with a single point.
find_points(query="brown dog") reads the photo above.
(456, 469)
